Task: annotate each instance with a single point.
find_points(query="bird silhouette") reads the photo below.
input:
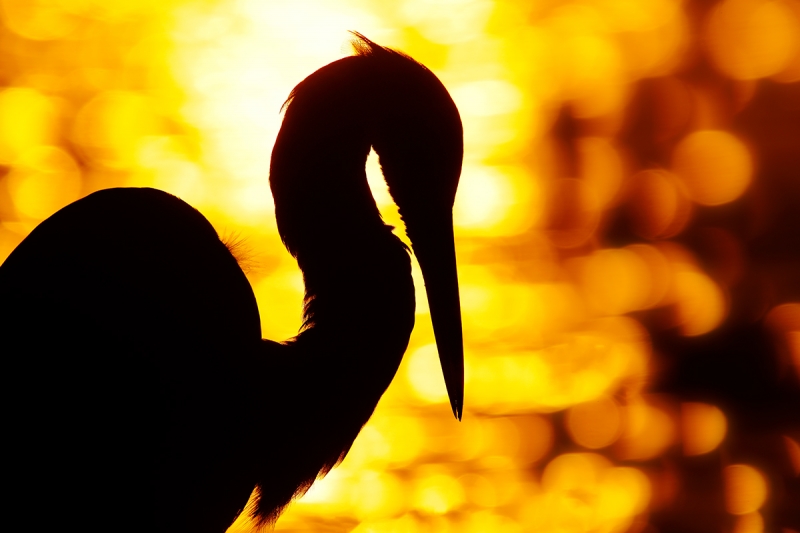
(138, 392)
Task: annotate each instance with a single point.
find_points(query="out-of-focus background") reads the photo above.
(627, 225)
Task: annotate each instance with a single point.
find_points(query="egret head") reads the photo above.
(417, 134)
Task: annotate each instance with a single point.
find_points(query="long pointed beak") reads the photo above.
(436, 253)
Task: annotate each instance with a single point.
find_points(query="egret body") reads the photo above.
(139, 394)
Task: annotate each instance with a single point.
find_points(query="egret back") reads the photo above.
(124, 324)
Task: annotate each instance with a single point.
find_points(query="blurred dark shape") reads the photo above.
(139, 395)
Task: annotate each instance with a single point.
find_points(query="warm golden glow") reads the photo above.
(616, 281)
(714, 166)
(700, 305)
(658, 205)
(648, 431)
(745, 489)
(584, 492)
(626, 166)
(703, 427)
(595, 424)
(749, 523)
(42, 180)
(752, 38)
(27, 119)
(784, 323)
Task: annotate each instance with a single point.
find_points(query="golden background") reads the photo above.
(631, 184)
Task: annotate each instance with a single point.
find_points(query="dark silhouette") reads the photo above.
(139, 395)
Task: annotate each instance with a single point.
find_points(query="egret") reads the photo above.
(139, 394)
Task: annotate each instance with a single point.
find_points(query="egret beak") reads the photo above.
(435, 250)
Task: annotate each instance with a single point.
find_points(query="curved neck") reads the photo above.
(359, 293)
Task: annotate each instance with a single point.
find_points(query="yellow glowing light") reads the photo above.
(589, 66)
(438, 494)
(482, 521)
(703, 427)
(700, 305)
(332, 490)
(404, 524)
(27, 119)
(377, 184)
(751, 39)
(425, 374)
(40, 20)
(648, 431)
(493, 307)
(745, 489)
(715, 166)
(170, 168)
(573, 470)
(435, 19)
(616, 281)
(496, 200)
(378, 495)
(280, 303)
(479, 490)
(487, 97)
(584, 492)
(601, 167)
(537, 435)
(550, 379)
(111, 126)
(659, 273)
(594, 424)
(653, 33)
(43, 180)
(626, 493)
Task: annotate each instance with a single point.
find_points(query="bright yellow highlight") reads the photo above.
(496, 201)
(602, 168)
(436, 20)
(27, 119)
(438, 494)
(425, 374)
(703, 427)
(43, 180)
(487, 97)
(111, 126)
(551, 379)
(648, 431)
(595, 424)
(39, 20)
(584, 492)
(751, 39)
(745, 489)
(284, 291)
(714, 166)
(377, 495)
